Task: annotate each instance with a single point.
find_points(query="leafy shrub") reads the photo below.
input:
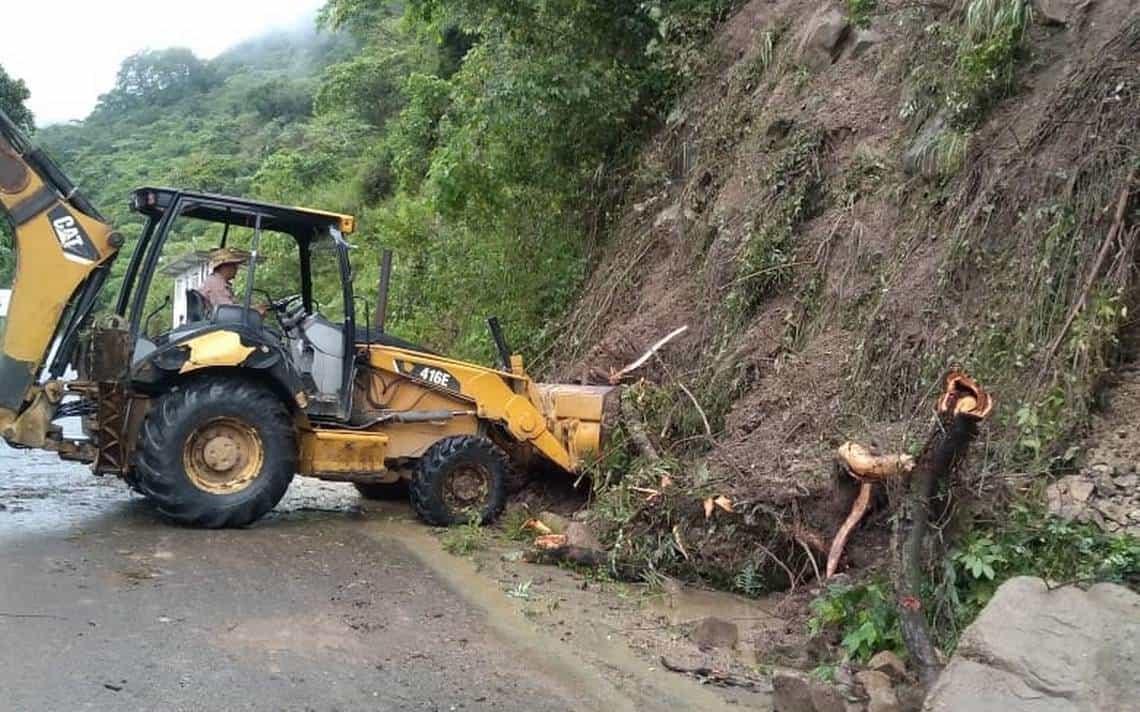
(465, 539)
(985, 68)
(795, 184)
(1027, 542)
(864, 615)
(860, 11)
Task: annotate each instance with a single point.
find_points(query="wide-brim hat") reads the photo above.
(227, 256)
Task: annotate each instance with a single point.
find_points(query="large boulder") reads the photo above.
(822, 40)
(1037, 650)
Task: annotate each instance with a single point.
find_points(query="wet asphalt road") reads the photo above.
(105, 607)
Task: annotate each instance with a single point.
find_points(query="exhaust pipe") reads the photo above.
(381, 318)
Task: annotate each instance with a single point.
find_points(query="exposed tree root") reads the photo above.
(867, 468)
(862, 503)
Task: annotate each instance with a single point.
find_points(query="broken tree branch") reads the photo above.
(716, 677)
(616, 376)
(1090, 279)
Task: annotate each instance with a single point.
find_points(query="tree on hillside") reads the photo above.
(13, 93)
(157, 77)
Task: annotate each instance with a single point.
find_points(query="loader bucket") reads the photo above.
(581, 417)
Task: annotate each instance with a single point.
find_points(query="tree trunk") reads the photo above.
(962, 406)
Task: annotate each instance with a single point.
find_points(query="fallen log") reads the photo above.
(635, 425)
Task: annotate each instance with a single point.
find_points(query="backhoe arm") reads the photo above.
(63, 249)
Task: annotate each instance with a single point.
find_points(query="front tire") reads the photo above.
(460, 479)
(217, 452)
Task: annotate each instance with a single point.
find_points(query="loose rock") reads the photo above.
(828, 698)
(863, 41)
(887, 662)
(880, 691)
(1059, 12)
(1081, 490)
(581, 535)
(1127, 482)
(715, 632)
(791, 691)
(823, 39)
(1112, 511)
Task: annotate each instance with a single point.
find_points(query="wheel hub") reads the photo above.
(223, 456)
(220, 453)
(467, 487)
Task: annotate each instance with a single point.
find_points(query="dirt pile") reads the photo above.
(844, 205)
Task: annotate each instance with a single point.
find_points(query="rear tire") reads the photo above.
(459, 479)
(217, 452)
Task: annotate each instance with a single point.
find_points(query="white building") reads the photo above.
(189, 272)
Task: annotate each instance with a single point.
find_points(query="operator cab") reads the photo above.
(293, 311)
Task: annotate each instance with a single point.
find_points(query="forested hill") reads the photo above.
(483, 143)
(174, 119)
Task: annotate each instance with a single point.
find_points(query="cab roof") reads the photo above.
(239, 212)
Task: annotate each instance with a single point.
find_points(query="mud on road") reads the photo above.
(328, 604)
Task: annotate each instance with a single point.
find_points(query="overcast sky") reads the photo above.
(69, 51)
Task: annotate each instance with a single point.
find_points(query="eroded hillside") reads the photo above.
(854, 197)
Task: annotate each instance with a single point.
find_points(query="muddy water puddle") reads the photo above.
(39, 493)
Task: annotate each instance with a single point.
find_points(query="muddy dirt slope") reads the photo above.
(847, 202)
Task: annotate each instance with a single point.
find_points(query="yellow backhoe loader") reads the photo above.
(212, 417)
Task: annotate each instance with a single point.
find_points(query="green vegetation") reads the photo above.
(971, 66)
(1025, 541)
(860, 11)
(795, 182)
(985, 67)
(13, 95)
(864, 615)
(512, 523)
(465, 539)
(473, 139)
(689, 410)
